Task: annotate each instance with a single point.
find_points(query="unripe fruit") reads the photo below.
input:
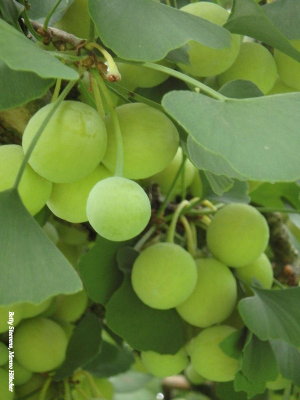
(5, 394)
(150, 140)
(22, 375)
(31, 310)
(134, 76)
(259, 270)
(254, 63)
(288, 67)
(237, 235)
(196, 188)
(207, 61)
(33, 189)
(68, 200)
(279, 383)
(193, 375)
(280, 87)
(167, 176)
(164, 275)
(70, 307)
(214, 296)
(208, 359)
(118, 208)
(72, 144)
(40, 344)
(162, 365)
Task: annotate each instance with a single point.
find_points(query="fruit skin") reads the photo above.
(31, 310)
(214, 296)
(164, 275)
(163, 365)
(288, 68)
(72, 144)
(260, 270)
(280, 87)
(196, 188)
(254, 63)
(208, 359)
(68, 200)
(134, 76)
(70, 307)
(40, 344)
(22, 375)
(150, 140)
(206, 61)
(71, 23)
(34, 190)
(193, 376)
(237, 235)
(5, 394)
(118, 208)
(166, 176)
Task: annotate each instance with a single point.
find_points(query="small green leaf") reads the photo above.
(288, 359)
(273, 314)
(142, 327)
(18, 88)
(248, 18)
(84, 345)
(241, 383)
(125, 257)
(219, 183)
(258, 361)
(144, 30)
(285, 14)
(21, 54)
(251, 136)
(110, 361)
(99, 270)
(130, 381)
(277, 194)
(32, 268)
(233, 344)
(237, 194)
(10, 11)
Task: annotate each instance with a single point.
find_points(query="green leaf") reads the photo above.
(18, 88)
(99, 270)
(110, 361)
(240, 89)
(84, 345)
(21, 54)
(40, 9)
(277, 194)
(10, 11)
(142, 327)
(145, 394)
(273, 314)
(32, 268)
(125, 257)
(285, 14)
(241, 383)
(248, 18)
(219, 183)
(225, 391)
(144, 30)
(237, 194)
(251, 136)
(258, 361)
(288, 360)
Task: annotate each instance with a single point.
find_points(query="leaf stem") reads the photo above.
(39, 132)
(67, 391)
(28, 23)
(92, 384)
(172, 227)
(185, 78)
(190, 239)
(115, 121)
(113, 73)
(163, 206)
(97, 97)
(45, 388)
(140, 243)
(56, 90)
(48, 17)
